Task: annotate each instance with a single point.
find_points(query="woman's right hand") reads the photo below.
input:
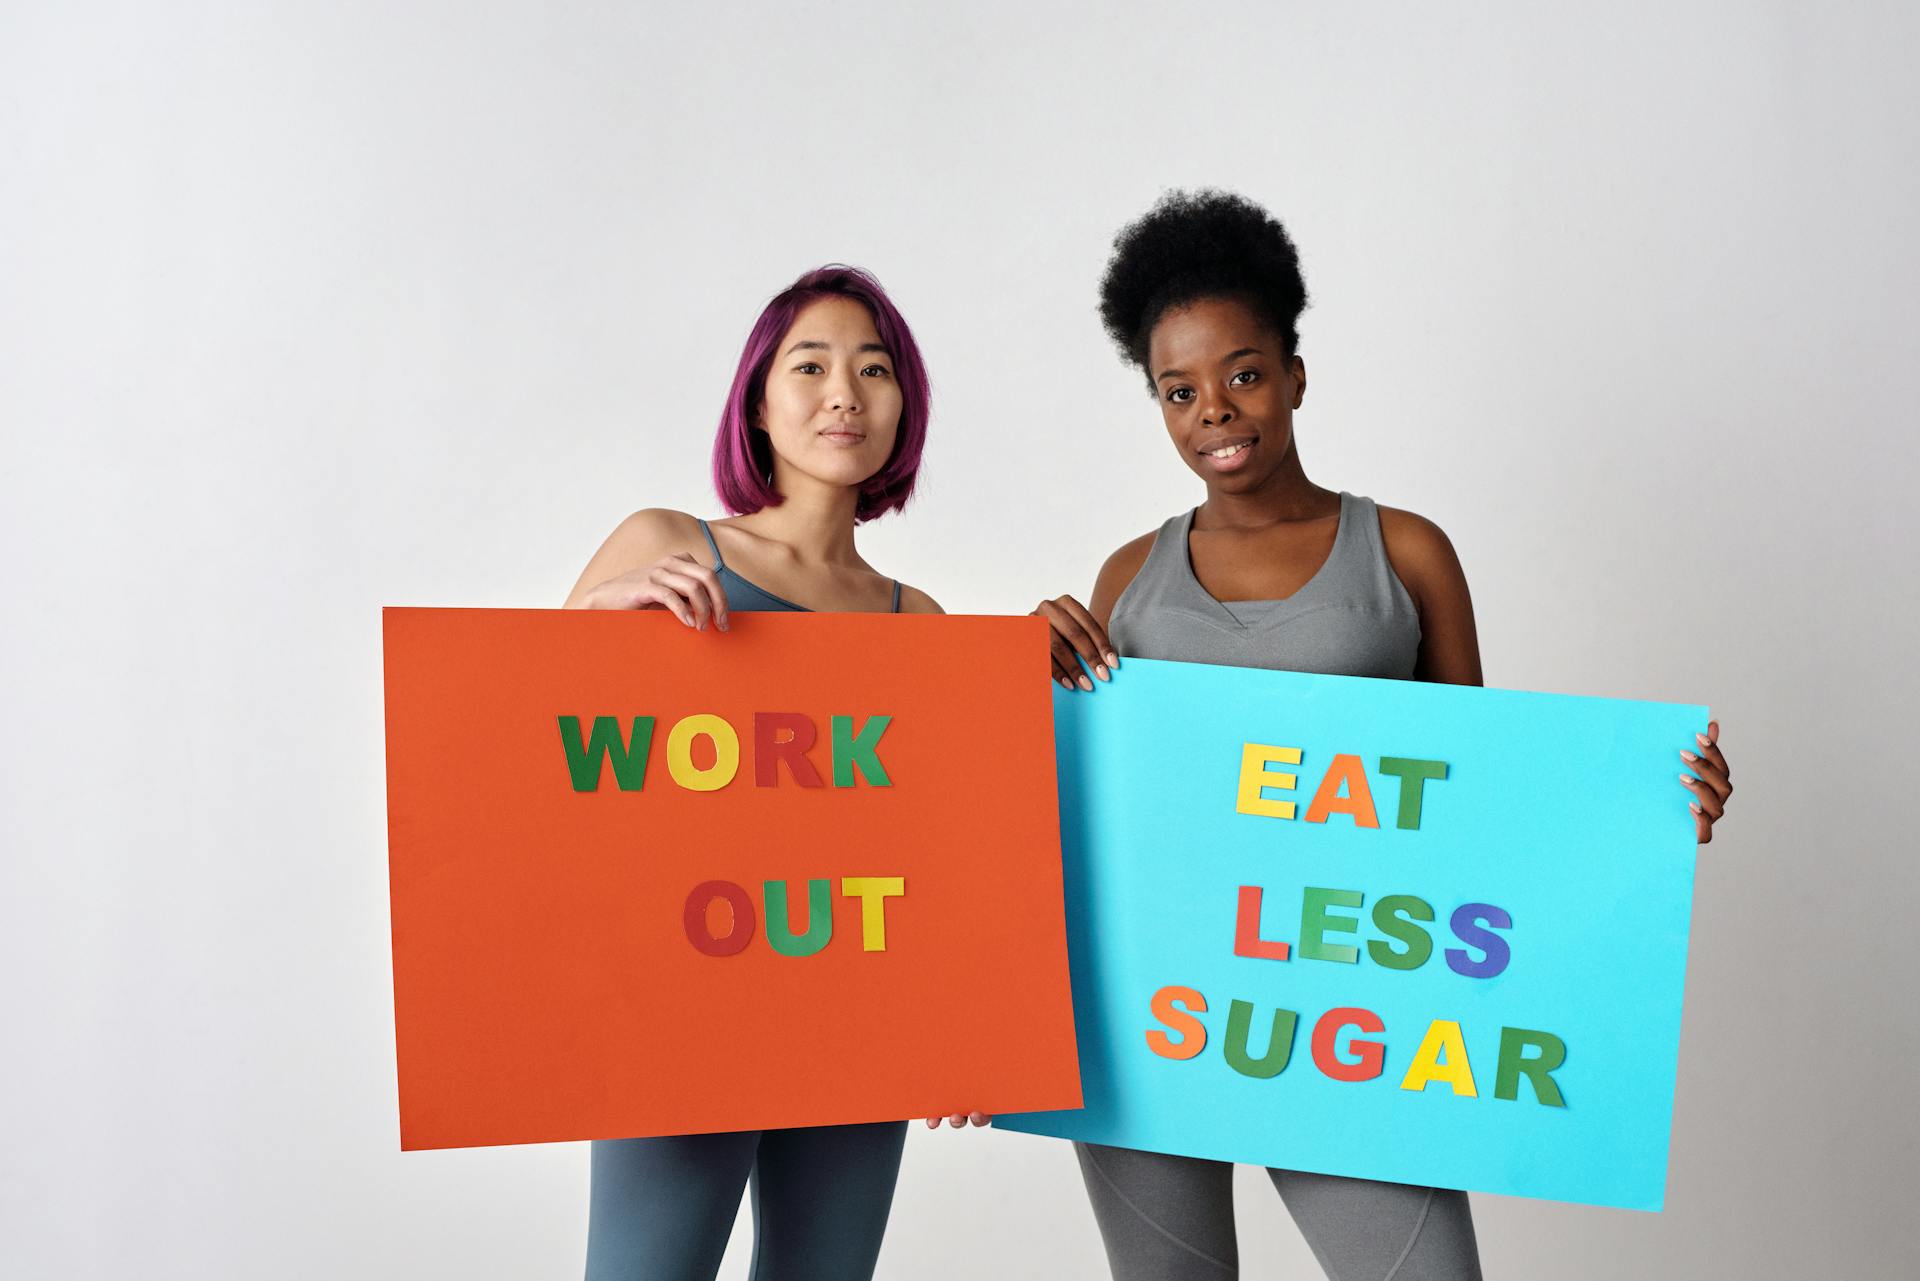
(1077, 635)
(678, 583)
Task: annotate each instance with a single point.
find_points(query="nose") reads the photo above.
(843, 395)
(1216, 412)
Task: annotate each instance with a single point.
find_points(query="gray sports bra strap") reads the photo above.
(896, 595)
(718, 564)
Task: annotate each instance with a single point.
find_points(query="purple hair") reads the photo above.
(743, 457)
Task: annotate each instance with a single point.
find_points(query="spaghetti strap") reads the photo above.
(718, 564)
(896, 595)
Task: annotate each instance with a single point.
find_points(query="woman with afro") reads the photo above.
(1203, 294)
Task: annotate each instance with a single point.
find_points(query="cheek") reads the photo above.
(1266, 403)
(1176, 420)
(887, 407)
(784, 412)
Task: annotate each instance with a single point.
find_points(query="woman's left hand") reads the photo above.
(960, 1120)
(1713, 785)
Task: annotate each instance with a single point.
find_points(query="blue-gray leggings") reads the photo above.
(1167, 1217)
(662, 1209)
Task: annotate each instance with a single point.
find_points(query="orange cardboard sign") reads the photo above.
(648, 880)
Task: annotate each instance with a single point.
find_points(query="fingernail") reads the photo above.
(1100, 670)
(1695, 807)
(1086, 684)
(1688, 779)
(1113, 659)
(1065, 683)
(1688, 757)
(1704, 740)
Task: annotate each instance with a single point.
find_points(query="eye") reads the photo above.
(1180, 395)
(876, 371)
(806, 367)
(1242, 378)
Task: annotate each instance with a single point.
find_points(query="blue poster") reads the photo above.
(1425, 933)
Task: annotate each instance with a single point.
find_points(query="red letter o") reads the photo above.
(736, 939)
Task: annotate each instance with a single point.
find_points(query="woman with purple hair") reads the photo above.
(822, 430)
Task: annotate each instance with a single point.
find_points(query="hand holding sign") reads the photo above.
(1710, 782)
(677, 583)
(1075, 636)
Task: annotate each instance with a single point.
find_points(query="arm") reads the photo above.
(1424, 560)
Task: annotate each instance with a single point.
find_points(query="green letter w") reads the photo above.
(583, 761)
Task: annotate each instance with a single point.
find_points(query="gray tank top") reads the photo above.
(1352, 618)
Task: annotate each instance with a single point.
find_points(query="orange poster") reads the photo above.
(648, 880)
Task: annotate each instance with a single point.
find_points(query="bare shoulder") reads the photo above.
(1423, 557)
(648, 535)
(651, 534)
(1419, 551)
(915, 601)
(1118, 573)
(1411, 530)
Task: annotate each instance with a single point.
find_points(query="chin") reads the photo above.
(1240, 482)
(845, 473)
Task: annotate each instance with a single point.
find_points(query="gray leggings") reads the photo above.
(662, 1209)
(1166, 1217)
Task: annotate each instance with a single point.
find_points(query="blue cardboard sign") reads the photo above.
(1430, 934)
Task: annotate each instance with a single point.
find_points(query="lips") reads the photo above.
(1227, 453)
(844, 435)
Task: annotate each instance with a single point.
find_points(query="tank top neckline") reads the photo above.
(1353, 617)
(720, 566)
(1341, 534)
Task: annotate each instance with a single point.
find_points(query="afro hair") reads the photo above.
(1193, 245)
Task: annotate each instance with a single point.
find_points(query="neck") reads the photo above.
(1286, 495)
(814, 519)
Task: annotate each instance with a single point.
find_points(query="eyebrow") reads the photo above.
(814, 344)
(1228, 359)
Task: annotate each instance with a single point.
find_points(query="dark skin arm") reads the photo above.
(1424, 560)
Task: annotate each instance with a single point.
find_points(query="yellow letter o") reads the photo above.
(726, 753)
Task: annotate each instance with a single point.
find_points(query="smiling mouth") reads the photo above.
(1229, 450)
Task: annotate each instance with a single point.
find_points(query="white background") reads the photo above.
(310, 308)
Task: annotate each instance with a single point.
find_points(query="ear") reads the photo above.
(1299, 381)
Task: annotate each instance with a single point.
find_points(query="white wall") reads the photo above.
(310, 308)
